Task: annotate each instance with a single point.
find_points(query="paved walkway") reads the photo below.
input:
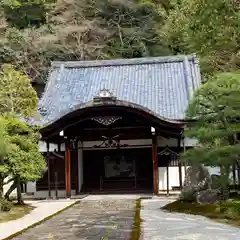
(160, 225)
(110, 217)
(43, 209)
(92, 218)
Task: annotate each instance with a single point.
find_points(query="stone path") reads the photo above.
(160, 225)
(42, 210)
(109, 219)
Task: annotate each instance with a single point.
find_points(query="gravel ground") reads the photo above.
(161, 225)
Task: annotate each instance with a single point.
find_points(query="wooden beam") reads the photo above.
(155, 165)
(68, 169)
(116, 128)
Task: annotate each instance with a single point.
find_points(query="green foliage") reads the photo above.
(25, 13)
(5, 205)
(132, 27)
(19, 155)
(34, 33)
(208, 28)
(216, 110)
(85, 30)
(16, 93)
(232, 205)
(22, 159)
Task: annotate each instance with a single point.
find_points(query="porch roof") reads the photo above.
(163, 85)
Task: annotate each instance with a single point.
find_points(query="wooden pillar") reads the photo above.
(56, 172)
(168, 179)
(49, 176)
(67, 168)
(155, 165)
(77, 173)
(180, 164)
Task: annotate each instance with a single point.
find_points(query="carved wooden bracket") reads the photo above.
(106, 120)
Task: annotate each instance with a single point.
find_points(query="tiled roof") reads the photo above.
(163, 85)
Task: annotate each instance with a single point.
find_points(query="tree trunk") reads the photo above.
(225, 182)
(13, 186)
(238, 173)
(19, 193)
(234, 176)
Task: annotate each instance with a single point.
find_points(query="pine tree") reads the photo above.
(19, 155)
(215, 109)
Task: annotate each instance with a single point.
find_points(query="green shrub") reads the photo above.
(234, 205)
(230, 209)
(5, 205)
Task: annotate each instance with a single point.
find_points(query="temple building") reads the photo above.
(115, 126)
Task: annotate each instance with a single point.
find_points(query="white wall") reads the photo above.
(31, 187)
(43, 146)
(173, 142)
(44, 194)
(173, 177)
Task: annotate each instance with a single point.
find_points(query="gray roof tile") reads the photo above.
(164, 85)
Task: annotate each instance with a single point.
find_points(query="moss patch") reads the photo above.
(17, 211)
(226, 212)
(137, 222)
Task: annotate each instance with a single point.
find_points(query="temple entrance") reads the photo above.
(117, 170)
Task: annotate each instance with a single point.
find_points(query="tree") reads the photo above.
(19, 155)
(22, 160)
(17, 97)
(215, 109)
(86, 30)
(3, 153)
(208, 28)
(24, 13)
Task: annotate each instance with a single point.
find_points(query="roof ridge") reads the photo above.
(119, 62)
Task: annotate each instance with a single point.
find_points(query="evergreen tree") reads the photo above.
(19, 155)
(216, 112)
(210, 29)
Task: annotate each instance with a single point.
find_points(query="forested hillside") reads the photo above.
(35, 32)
